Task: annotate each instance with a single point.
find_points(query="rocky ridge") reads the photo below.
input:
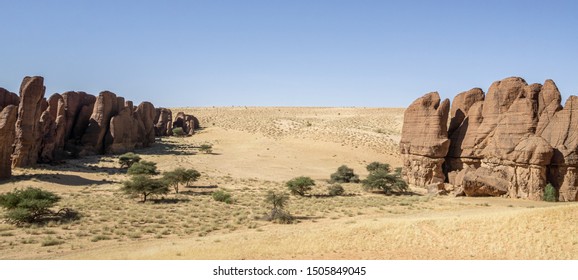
(34, 129)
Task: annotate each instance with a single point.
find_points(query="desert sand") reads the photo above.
(256, 149)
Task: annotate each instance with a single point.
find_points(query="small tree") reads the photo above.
(145, 186)
(375, 166)
(550, 193)
(206, 148)
(28, 205)
(344, 174)
(278, 213)
(335, 190)
(128, 159)
(178, 131)
(143, 168)
(389, 183)
(300, 185)
(180, 175)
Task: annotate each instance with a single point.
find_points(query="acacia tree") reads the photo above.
(382, 179)
(344, 174)
(278, 213)
(32, 205)
(143, 168)
(145, 186)
(128, 159)
(180, 175)
(300, 185)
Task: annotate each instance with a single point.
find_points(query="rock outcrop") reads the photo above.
(187, 122)
(511, 141)
(424, 140)
(105, 107)
(163, 122)
(146, 113)
(8, 98)
(28, 127)
(8, 116)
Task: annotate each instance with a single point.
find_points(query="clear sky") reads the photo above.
(286, 53)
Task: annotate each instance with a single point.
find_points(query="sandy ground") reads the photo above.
(256, 150)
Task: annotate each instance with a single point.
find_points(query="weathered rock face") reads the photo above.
(424, 141)
(163, 122)
(146, 112)
(78, 108)
(53, 123)
(28, 128)
(8, 98)
(105, 107)
(511, 142)
(187, 122)
(124, 132)
(8, 116)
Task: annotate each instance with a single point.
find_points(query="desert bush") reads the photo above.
(222, 196)
(178, 131)
(344, 174)
(550, 193)
(145, 186)
(389, 183)
(206, 148)
(278, 201)
(300, 185)
(180, 175)
(128, 159)
(32, 205)
(375, 166)
(335, 190)
(143, 168)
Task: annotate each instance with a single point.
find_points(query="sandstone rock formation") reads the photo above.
(28, 128)
(163, 122)
(510, 142)
(35, 130)
(187, 122)
(8, 116)
(424, 141)
(8, 98)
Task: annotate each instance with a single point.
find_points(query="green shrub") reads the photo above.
(128, 159)
(344, 174)
(28, 205)
(206, 148)
(222, 196)
(375, 166)
(180, 175)
(550, 193)
(143, 168)
(335, 190)
(145, 186)
(300, 185)
(178, 131)
(380, 179)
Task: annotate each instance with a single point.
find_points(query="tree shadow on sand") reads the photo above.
(61, 179)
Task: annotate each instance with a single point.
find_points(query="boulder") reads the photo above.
(53, 123)
(28, 128)
(124, 129)
(187, 122)
(8, 117)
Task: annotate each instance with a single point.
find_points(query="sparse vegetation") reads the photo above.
(178, 132)
(180, 175)
(335, 190)
(278, 213)
(128, 159)
(222, 196)
(344, 174)
(300, 185)
(145, 186)
(380, 178)
(143, 168)
(550, 193)
(206, 148)
(376, 166)
(30, 205)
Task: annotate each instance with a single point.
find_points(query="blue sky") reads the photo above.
(286, 53)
